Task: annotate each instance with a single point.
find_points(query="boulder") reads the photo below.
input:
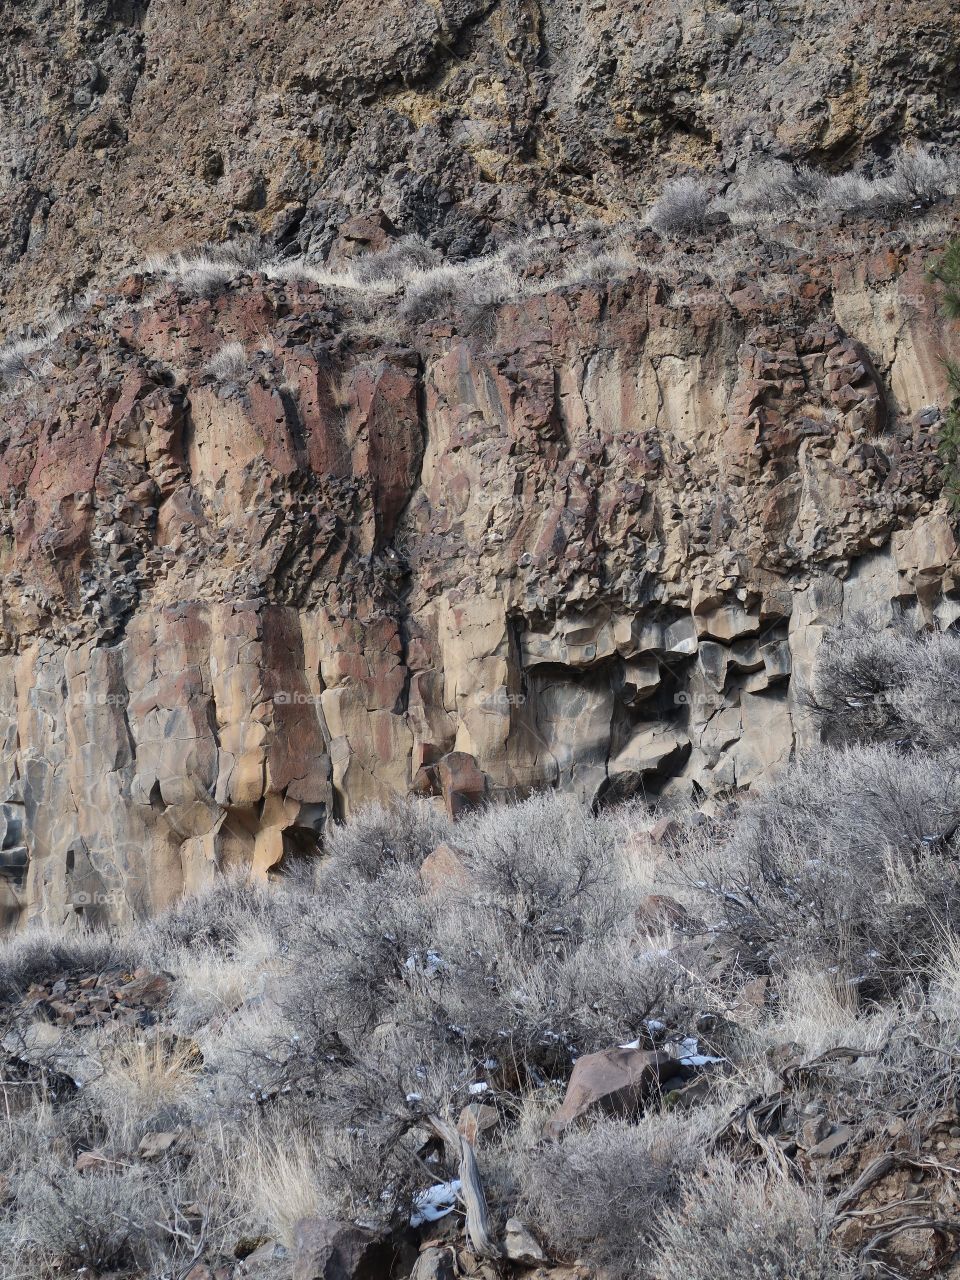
(519, 1244)
(477, 1118)
(443, 868)
(362, 234)
(618, 1081)
(260, 1263)
(648, 749)
(831, 1145)
(148, 990)
(327, 1249)
(462, 783)
(662, 838)
(435, 1264)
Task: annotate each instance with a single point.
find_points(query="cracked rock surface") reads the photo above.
(591, 544)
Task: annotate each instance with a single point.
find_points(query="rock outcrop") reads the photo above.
(263, 564)
(133, 125)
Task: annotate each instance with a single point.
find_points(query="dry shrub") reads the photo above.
(210, 982)
(731, 1223)
(216, 918)
(16, 359)
(681, 208)
(773, 188)
(43, 952)
(914, 177)
(889, 686)
(365, 937)
(846, 862)
(918, 176)
(530, 965)
(600, 1192)
(230, 363)
(103, 1222)
(849, 193)
(211, 268)
(402, 258)
(381, 837)
(425, 995)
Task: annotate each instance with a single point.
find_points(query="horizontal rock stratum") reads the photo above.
(266, 559)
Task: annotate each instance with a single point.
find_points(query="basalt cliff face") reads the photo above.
(271, 549)
(590, 542)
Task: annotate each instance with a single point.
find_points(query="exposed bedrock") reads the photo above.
(132, 125)
(594, 549)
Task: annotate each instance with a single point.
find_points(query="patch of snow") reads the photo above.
(688, 1052)
(435, 1203)
(429, 963)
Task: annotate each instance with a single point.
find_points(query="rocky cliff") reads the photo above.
(130, 125)
(271, 551)
(538, 498)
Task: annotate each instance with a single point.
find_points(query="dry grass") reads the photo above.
(211, 983)
(283, 1179)
(146, 1080)
(230, 364)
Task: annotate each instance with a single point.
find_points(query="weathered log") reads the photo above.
(479, 1230)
